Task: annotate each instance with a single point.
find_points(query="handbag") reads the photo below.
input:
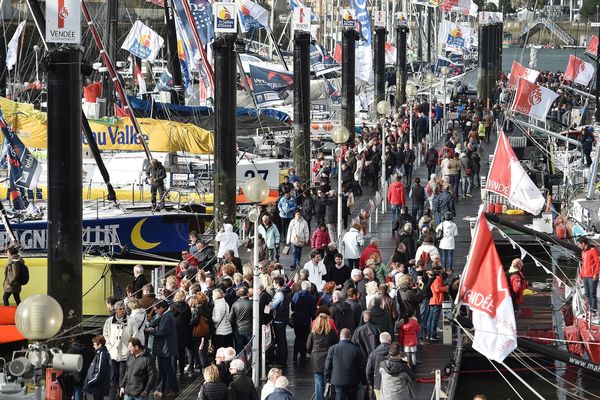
(327, 392)
(439, 235)
(291, 320)
(286, 250)
(201, 329)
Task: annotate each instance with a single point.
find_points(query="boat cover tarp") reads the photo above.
(113, 134)
(248, 119)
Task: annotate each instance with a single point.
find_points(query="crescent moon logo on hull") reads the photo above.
(136, 237)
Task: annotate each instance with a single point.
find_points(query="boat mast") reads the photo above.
(111, 37)
(3, 70)
(174, 65)
(594, 171)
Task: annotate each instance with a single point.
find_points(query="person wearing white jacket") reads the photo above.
(351, 246)
(427, 251)
(137, 319)
(298, 235)
(447, 230)
(117, 331)
(228, 240)
(223, 332)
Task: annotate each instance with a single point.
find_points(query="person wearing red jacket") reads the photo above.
(408, 332)
(517, 283)
(372, 248)
(396, 197)
(590, 269)
(438, 291)
(320, 238)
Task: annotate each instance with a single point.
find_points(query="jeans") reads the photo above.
(296, 255)
(319, 386)
(454, 183)
(127, 397)
(447, 258)
(285, 223)
(7, 295)
(241, 339)
(161, 194)
(281, 342)
(352, 262)
(395, 212)
(424, 310)
(332, 231)
(466, 182)
(274, 254)
(166, 376)
(78, 392)
(417, 211)
(118, 368)
(591, 292)
(437, 216)
(432, 320)
(345, 392)
(430, 170)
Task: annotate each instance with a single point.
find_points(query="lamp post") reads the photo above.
(383, 109)
(429, 79)
(340, 136)
(444, 72)
(411, 91)
(256, 191)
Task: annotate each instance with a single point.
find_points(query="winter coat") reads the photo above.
(396, 195)
(117, 334)
(344, 365)
(357, 310)
(242, 388)
(517, 284)
(320, 239)
(366, 337)
(304, 307)
(280, 394)
(206, 258)
(418, 195)
(450, 231)
(409, 332)
(449, 166)
(165, 336)
(426, 221)
(228, 240)
(408, 299)
(409, 242)
(443, 202)
(213, 391)
(437, 289)
(590, 265)
(286, 207)
(341, 313)
(97, 380)
(12, 274)
(375, 358)
(382, 319)
(281, 311)
(183, 315)
(352, 243)
(428, 249)
(138, 320)
(366, 254)
(240, 316)
(396, 380)
(331, 211)
(320, 208)
(298, 231)
(139, 375)
(140, 281)
(270, 234)
(220, 317)
(318, 345)
(431, 157)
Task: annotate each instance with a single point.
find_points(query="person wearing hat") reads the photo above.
(156, 175)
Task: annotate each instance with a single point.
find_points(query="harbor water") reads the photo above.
(547, 59)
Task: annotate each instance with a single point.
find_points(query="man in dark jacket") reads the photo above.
(375, 358)
(397, 381)
(205, 254)
(304, 306)
(139, 280)
(156, 174)
(241, 387)
(418, 199)
(431, 160)
(443, 203)
(320, 205)
(408, 297)
(97, 380)
(281, 316)
(138, 381)
(409, 159)
(381, 317)
(341, 312)
(366, 336)
(281, 391)
(165, 347)
(353, 298)
(344, 367)
(240, 318)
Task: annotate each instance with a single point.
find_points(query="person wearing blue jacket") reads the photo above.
(97, 380)
(304, 306)
(164, 347)
(287, 207)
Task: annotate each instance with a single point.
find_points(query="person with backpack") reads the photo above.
(465, 169)
(16, 275)
(446, 232)
(427, 252)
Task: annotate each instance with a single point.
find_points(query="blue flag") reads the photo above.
(165, 82)
(269, 86)
(203, 15)
(321, 61)
(364, 57)
(455, 69)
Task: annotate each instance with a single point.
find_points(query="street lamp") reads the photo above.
(411, 92)
(340, 136)
(256, 191)
(444, 72)
(430, 79)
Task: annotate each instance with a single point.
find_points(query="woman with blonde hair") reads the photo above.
(223, 336)
(320, 339)
(372, 289)
(212, 388)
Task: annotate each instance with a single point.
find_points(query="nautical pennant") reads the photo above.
(519, 71)
(533, 100)
(579, 71)
(143, 42)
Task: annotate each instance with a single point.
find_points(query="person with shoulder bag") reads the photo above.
(466, 169)
(16, 275)
(297, 236)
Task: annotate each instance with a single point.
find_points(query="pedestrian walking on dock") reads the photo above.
(16, 275)
(590, 270)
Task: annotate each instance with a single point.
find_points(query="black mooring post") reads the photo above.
(301, 150)
(2, 66)
(349, 37)
(401, 74)
(174, 65)
(483, 91)
(65, 180)
(225, 128)
(379, 64)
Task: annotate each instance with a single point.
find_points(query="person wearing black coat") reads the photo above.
(139, 280)
(320, 339)
(409, 241)
(375, 358)
(77, 379)
(212, 388)
(344, 367)
(341, 312)
(183, 316)
(97, 380)
(304, 306)
(241, 387)
(366, 336)
(381, 317)
(417, 193)
(320, 205)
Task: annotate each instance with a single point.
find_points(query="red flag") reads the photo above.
(519, 71)
(533, 100)
(592, 48)
(337, 53)
(485, 290)
(120, 112)
(508, 179)
(92, 91)
(139, 78)
(579, 71)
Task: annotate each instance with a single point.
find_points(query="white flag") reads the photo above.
(520, 71)
(13, 47)
(508, 179)
(484, 289)
(143, 42)
(533, 100)
(579, 71)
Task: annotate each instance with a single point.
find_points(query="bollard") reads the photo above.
(447, 322)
